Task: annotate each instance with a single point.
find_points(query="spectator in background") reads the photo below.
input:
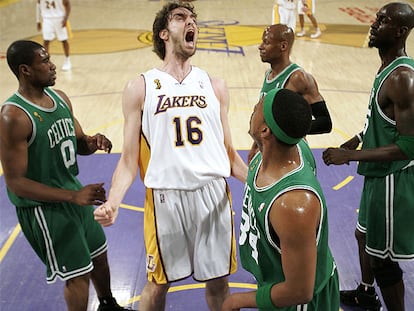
(55, 15)
(307, 7)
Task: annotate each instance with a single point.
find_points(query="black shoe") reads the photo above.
(110, 304)
(360, 297)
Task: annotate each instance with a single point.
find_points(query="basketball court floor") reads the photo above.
(111, 44)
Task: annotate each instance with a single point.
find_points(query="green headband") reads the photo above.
(271, 122)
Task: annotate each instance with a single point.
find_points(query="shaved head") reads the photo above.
(281, 32)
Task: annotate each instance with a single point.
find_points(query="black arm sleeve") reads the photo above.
(321, 122)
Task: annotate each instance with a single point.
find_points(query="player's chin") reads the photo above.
(190, 50)
(51, 82)
(190, 46)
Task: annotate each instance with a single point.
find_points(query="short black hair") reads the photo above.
(21, 52)
(292, 113)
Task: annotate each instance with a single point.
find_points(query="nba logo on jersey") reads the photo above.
(162, 198)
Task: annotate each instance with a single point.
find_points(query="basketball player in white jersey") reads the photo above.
(176, 132)
(284, 12)
(307, 7)
(54, 14)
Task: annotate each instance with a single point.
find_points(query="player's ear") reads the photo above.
(163, 34)
(265, 131)
(284, 45)
(402, 31)
(24, 70)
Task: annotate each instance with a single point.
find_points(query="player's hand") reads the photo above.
(351, 144)
(93, 194)
(102, 142)
(106, 214)
(64, 22)
(228, 304)
(336, 156)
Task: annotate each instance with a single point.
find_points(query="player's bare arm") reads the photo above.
(400, 91)
(396, 99)
(238, 166)
(295, 217)
(305, 84)
(127, 167)
(66, 4)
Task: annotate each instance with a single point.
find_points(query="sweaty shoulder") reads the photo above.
(136, 84)
(399, 87)
(403, 75)
(64, 97)
(15, 122)
(296, 207)
(300, 81)
(220, 87)
(134, 92)
(305, 84)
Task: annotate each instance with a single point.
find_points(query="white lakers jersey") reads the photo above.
(52, 8)
(182, 132)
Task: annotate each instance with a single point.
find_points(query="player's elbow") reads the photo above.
(305, 294)
(15, 185)
(327, 125)
(321, 125)
(321, 122)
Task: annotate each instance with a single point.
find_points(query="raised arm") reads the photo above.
(127, 167)
(238, 166)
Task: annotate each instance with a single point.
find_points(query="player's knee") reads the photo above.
(386, 272)
(100, 260)
(360, 237)
(217, 287)
(158, 290)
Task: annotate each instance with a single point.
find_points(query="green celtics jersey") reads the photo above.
(260, 250)
(51, 147)
(379, 129)
(279, 81)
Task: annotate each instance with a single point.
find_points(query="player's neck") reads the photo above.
(278, 67)
(279, 155)
(276, 163)
(177, 68)
(389, 55)
(36, 96)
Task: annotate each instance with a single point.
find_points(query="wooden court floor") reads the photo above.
(111, 44)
